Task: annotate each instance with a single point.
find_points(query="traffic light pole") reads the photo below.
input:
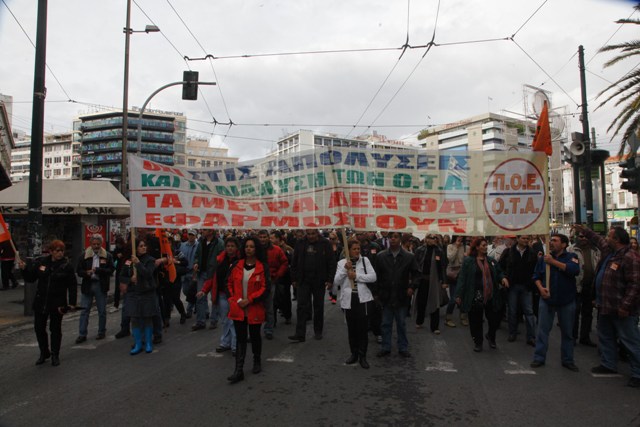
(144, 106)
(588, 188)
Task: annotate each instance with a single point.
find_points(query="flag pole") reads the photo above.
(345, 242)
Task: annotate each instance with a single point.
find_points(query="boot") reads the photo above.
(363, 360)
(137, 337)
(148, 339)
(44, 355)
(448, 320)
(55, 359)
(238, 374)
(257, 366)
(464, 320)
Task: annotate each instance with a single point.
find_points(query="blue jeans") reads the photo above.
(399, 314)
(186, 282)
(626, 329)
(228, 336)
(270, 315)
(101, 305)
(520, 294)
(546, 316)
(202, 304)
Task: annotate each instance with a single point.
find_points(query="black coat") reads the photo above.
(104, 271)
(324, 260)
(56, 280)
(142, 300)
(396, 277)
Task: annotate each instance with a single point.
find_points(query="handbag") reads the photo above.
(452, 274)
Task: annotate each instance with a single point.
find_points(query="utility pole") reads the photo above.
(125, 102)
(588, 189)
(34, 221)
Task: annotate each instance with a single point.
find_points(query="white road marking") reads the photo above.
(606, 375)
(33, 344)
(84, 347)
(286, 355)
(442, 363)
(518, 369)
(210, 354)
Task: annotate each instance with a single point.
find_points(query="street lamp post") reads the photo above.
(125, 97)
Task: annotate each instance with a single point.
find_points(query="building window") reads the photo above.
(67, 159)
(622, 198)
(47, 174)
(67, 146)
(57, 172)
(191, 162)
(48, 149)
(57, 159)
(47, 162)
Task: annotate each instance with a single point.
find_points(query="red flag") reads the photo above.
(165, 249)
(4, 230)
(542, 138)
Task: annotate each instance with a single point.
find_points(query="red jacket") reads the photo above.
(256, 289)
(277, 260)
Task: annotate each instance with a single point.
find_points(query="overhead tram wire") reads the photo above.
(429, 46)
(34, 46)
(384, 82)
(529, 18)
(218, 84)
(609, 39)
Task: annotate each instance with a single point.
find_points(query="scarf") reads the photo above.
(487, 281)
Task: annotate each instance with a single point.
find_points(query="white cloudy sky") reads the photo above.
(269, 96)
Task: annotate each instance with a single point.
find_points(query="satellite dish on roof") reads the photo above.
(557, 124)
(539, 98)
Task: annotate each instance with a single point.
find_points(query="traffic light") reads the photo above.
(190, 85)
(631, 173)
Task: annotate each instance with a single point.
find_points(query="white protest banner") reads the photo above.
(470, 193)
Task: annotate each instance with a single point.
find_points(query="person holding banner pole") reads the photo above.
(353, 276)
(557, 295)
(8, 255)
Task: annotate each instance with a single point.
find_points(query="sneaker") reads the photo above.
(222, 349)
(296, 338)
(80, 339)
(603, 370)
(536, 364)
(197, 327)
(450, 323)
(100, 337)
(437, 332)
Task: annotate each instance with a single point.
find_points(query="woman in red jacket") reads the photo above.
(248, 286)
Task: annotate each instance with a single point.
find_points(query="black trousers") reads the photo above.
(282, 299)
(171, 297)
(421, 305)
(375, 319)
(254, 333)
(584, 309)
(7, 274)
(357, 325)
(310, 295)
(475, 321)
(55, 327)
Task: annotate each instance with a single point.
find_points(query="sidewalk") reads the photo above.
(12, 308)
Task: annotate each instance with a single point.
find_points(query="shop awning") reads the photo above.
(67, 197)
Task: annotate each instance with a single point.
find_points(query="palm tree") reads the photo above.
(626, 90)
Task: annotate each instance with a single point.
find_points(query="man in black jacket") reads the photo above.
(312, 269)
(95, 268)
(518, 262)
(396, 270)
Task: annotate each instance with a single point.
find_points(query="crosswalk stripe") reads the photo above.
(518, 369)
(442, 363)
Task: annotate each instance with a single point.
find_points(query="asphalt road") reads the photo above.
(183, 382)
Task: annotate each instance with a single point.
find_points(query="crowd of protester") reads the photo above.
(244, 282)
